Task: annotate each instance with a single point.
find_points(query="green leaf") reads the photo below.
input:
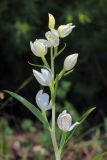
(63, 139)
(29, 106)
(35, 65)
(58, 53)
(99, 156)
(68, 72)
(84, 116)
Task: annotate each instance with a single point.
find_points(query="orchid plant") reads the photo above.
(47, 77)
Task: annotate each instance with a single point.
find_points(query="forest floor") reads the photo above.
(37, 146)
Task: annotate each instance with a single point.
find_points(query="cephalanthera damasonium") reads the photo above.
(47, 77)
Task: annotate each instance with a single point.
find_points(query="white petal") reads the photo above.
(65, 30)
(70, 61)
(64, 121)
(38, 48)
(48, 107)
(33, 50)
(72, 126)
(53, 37)
(42, 99)
(47, 75)
(39, 77)
(47, 34)
(45, 42)
(51, 23)
(55, 32)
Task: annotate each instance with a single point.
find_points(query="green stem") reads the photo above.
(53, 135)
(45, 61)
(61, 74)
(58, 156)
(52, 61)
(52, 89)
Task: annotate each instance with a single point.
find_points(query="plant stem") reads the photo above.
(52, 61)
(45, 61)
(58, 156)
(52, 89)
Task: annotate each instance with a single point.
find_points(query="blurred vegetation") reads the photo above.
(30, 144)
(22, 21)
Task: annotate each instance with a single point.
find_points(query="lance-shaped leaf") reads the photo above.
(86, 114)
(29, 106)
(62, 141)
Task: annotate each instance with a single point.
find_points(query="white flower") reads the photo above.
(39, 47)
(70, 61)
(65, 122)
(44, 78)
(53, 37)
(65, 30)
(42, 100)
(51, 23)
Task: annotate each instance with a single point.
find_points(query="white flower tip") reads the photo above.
(50, 15)
(41, 91)
(73, 26)
(33, 71)
(64, 112)
(51, 23)
(76, 55)
(31, 43)
(70, 61)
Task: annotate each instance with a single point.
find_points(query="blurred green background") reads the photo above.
(22, 21)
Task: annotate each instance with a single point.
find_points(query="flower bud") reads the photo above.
(70, 61)
(42, 100)
(44, 77)
(53, 37)
(65, 30)
(64, 122)
(38, 48)
(51, 23)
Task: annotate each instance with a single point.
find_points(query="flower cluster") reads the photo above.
(40, 48)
